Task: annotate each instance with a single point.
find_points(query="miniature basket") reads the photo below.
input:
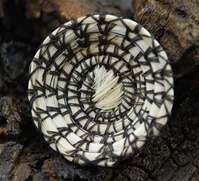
(100, 87)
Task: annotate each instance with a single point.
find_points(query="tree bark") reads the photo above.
(176, 25)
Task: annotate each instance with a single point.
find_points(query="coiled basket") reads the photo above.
(100, 87)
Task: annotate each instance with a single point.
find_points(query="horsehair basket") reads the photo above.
(100, 87)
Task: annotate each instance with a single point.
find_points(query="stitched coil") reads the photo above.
(100, 87)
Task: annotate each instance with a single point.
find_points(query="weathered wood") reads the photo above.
(176, 25)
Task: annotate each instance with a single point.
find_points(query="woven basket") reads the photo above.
(100, 87)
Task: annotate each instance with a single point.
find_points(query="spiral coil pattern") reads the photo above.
(100, 86)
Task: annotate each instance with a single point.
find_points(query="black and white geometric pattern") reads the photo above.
(100, 87)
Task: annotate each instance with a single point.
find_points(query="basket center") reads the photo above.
(108, 91)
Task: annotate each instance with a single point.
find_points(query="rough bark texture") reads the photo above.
(176, 25)
(24, 155)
